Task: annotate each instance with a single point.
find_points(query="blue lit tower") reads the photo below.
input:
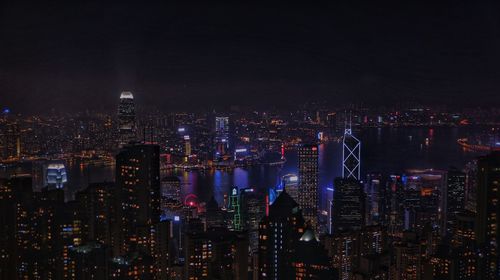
(55, 175)
(351, 154)
(221, 136)
(126, 119)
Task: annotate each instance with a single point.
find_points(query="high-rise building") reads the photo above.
(171, 188)
(279, 233)
(187, 148)
(290, 182)
(252, 211)
(351, 155)
(308, 196)
(455, 197)
(126, 119)
(234, 210)
(424, 199)
(331, 122)
(373, 186)
(55, 175)
(408, 258)
(488, 215)
(10, 141)
(216, 254)
(97, 202)
(138, 200)
(348, 205)
(310, 260)
(471, 186)
(170, 192)
(221, 137)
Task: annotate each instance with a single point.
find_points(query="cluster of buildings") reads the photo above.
(424, 224)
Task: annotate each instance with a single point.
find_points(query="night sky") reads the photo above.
(68, 56)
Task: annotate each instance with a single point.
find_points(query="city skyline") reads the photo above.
(238, 141)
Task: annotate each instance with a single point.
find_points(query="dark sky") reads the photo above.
(70, 56)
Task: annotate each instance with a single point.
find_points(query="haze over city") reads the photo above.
(218, 141)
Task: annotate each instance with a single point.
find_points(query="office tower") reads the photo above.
(348, 205)
(373, 187)
(10, 141)
(331, 120)
(372, 257)
(351, 155)
(221, 137)
(488, 213)
(279, 232)
(308, 197)
(471, 186)
(162, 250)
(341, 248)
(17, 231)
(455, 197)
(55, 176)
(138, 200)
(290, 182)
(187, 148)
(234, 210)
(170, 187)
(408, 258)
(216, 254)
(70, 233)
(252, 210)
(126, 119)
(97, 202)
(171, 202)
(425, 192)
(451, 263)
(310, 260)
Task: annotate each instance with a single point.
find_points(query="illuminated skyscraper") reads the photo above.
(279, 233)
(252, 211)
(126, 118)
(221, 136)
(216, 254)
(234, 209)
(351, 155)
(308, 197)
(10, 141)
(488, 215)
(55, 175)
(138, 183)
(455, 196)
(348, 205)
(290, 182)
(187, 148)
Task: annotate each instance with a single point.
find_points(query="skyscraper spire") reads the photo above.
(126, 118)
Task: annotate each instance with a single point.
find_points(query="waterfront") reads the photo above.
(386, 150)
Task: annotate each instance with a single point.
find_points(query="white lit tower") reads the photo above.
(126, 119)
(351, 154)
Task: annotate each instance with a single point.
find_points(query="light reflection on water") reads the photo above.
(384, 150)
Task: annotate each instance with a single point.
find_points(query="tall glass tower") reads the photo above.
(126, 118)
(351, 155)
(221, 136)
(308, 195)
